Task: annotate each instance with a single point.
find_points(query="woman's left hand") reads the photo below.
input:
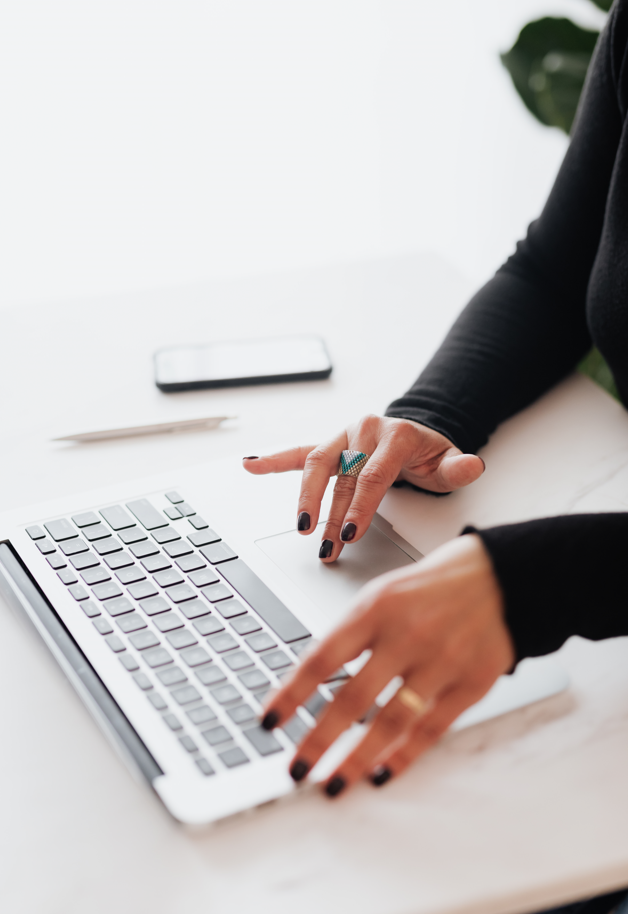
(440, 626)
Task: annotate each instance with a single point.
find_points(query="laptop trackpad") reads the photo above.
(333, 586)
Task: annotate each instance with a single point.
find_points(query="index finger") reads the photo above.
(281, 462)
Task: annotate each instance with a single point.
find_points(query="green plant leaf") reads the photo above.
(603, 4)
(595, 366)
(548, 64)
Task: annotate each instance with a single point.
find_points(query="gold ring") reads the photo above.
(412, 700)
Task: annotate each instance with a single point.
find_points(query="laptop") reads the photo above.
(175, 603)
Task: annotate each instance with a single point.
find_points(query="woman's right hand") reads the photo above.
(399, 449)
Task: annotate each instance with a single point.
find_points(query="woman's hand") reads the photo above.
(439, 625)
(398, 449)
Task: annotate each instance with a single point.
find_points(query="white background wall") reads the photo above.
(152, 142)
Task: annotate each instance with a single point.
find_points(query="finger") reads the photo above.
(331, 544)
(282, 462)
(321, 464)
(425, 732)
(452, 471)
(349, 705)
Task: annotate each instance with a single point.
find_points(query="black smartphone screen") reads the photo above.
(236, 362)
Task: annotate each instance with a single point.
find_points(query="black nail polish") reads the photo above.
(335, 786)
(299, 769)
(269, 720)
(348, 532)
(326, 549)
(303, 521)
(380, 776)
(250, 458)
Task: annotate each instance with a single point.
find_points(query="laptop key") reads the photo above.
(167, 622)
(253, 679)
(71, 547)
(224, 695)
(157, 657)
(276, 660)
(181, 592)
(315, 703)
(61, 529)
(166, 535)
(155, 605)
(129, 662)
(185, 509)
(181, 638)
(132, 535)
(216, 592)
(168, 578)
(204, 767)
(115, 643)
(141, 550)
(208, 625)
(174, 498)
(157, 701)
(143, 681)
(156, 563)
(218, 553)
(240, 660)
(102, 625)
(210, 675)
(216, 736)
(46, 547)
(244, 625)
(96, 575)
(186, 695)
(90, 609)
(67, 576)
(299, 646)
(86, 519)
(107, 590)
(35, 532)
(295, 729)
(233, 757)
(119, 606)
(172, 675)
(130, 575)
(277, 616)
(107, 546)
(117, 517)
(174, 550)
(204, 537)
(204, 577)
(132, 622)
(188, 743)
(201, 715)
(191, 563)
(78, 592)
(96, 532)
(172, 722)
(147, 515)
(143, 640)
(263, 741)
(222, 643)
(173, 513)
(230, 608)
(84, 560)
(198, 522)
(242, 714)
(195, 656)
(142, 590)
(56, 561)
(260, 642)
(118, 560)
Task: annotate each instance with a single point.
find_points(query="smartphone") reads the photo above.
(233, 363)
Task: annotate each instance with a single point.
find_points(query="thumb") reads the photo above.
(458, 470)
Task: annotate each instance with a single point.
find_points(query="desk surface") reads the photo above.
(509, 816)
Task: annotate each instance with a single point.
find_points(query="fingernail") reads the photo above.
(303, 521)
(326, 549)
(298, 770)
(483, 461)
(348, 532)
(335, 786)
(380, 776)
(269, 720)
(250, 458)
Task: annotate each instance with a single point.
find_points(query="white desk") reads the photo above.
(509, 816)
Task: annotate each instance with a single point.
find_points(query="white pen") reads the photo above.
(208, 422)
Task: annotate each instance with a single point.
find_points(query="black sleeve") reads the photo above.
(526, 328)
(561, 576)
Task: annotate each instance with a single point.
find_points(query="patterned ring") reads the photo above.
(352, 463)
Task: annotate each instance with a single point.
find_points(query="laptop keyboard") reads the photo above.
(192, 624)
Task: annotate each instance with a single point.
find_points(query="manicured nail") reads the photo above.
(348, 532)
(303, 521)
(380, 776)
(326, 549)
(335, 786)
(250, 458)
(483, 461)
(298, 770)
(270, 720)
